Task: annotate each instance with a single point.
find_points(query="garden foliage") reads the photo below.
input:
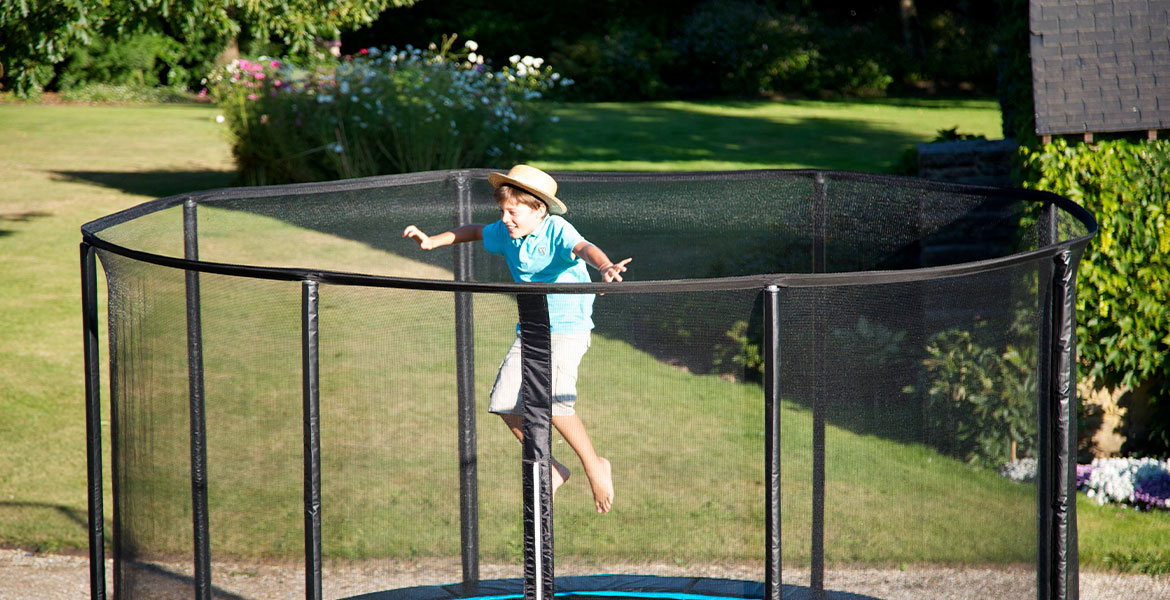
(381, 112)
(656, 49)
(981, 396)
(1123, 329)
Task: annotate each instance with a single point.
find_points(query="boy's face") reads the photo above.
(520, 219)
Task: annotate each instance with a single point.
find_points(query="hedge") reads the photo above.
(1123, 330)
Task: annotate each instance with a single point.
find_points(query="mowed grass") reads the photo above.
(692, 490)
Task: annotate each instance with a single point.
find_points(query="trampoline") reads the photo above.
(805, 374)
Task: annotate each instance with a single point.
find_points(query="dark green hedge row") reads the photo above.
(1123, 294)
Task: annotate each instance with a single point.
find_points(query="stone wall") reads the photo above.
(980, 162)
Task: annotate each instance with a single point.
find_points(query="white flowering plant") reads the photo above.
(1143, 483)
(382, 111)
(1140, 482)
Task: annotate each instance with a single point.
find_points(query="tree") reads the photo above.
(37, 34)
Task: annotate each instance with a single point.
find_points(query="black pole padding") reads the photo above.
(465, 379)
(819, 258)
(310, 376)
(1058, 484)
(772, 578)
(536, 408)
(93, 424)
(199, 510)
(1044, 426)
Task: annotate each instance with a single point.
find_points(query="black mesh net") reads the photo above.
(902, 397)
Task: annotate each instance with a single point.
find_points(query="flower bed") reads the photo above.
(1140, 482)
(1143, 483)
(380, 112)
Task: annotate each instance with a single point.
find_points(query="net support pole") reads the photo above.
(93, 424)
(773, 582)
(536, 409)
(817, 550)
(465, 375)
(199, 511)
(310, 376)
(1057, 555)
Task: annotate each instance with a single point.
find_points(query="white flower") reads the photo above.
(472, 57)
(515, 58)
(219, 119)
(337, 148)
(471, 45)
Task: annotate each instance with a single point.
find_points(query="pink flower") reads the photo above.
(203, 93)
(275, 64)
(253, 97)
(276, 83)
(259, 75)
(364, 51)
(245, 64)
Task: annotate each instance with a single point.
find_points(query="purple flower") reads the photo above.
(1151, 487)
(1083, 473)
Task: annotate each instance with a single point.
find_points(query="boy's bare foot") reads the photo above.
(602, 482)
(560, 474)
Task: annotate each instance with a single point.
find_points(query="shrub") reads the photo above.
(1123, 329)
(624, 64)
(981, 396)
(125, 93)
(144, 60)
(380, 112)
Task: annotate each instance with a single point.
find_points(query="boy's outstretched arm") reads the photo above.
(466, 233)
(610, 271)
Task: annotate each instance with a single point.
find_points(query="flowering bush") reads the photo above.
(1020, 471)
(380, 112)
(1140, 482)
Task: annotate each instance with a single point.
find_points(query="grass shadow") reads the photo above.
(20, 217)
(70, 514)
(155, 184)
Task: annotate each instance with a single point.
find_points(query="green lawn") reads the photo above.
(690, 136)
(66, 165)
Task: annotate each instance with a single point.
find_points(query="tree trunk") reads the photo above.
(911, 33)
(229, 53)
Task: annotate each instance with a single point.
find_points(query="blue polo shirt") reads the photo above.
(546, 256)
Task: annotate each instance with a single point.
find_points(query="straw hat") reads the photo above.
(534, 181)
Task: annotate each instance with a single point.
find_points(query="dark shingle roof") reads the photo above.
(1100, 66)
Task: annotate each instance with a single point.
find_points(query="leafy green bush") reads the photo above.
(125, 93)
(380, 112)
(625, 64)
(981, 397)
(1123, 329)
(144, 60)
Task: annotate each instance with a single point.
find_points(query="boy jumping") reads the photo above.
(540, 246)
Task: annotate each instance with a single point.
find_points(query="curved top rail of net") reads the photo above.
(685, 231)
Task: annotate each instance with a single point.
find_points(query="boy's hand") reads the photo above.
(614, 271)
(423, 240)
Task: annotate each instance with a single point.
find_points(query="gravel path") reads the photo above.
(28, 576)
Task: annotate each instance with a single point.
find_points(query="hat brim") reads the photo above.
(555, 206)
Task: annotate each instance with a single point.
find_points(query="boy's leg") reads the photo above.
(560, 473)
(597, 469)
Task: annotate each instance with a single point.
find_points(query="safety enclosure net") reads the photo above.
(805, 375)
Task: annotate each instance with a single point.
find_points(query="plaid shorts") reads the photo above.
(567, 350)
